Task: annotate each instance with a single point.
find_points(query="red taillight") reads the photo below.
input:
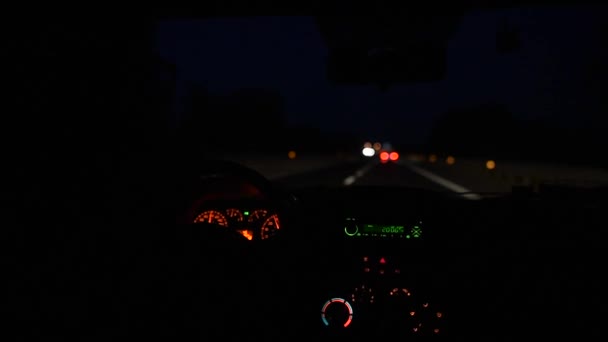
(394, 156)
(384, 156)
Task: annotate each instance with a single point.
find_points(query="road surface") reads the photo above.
(471, 178)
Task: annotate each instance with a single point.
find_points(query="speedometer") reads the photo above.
(212, 217)
(270, 227)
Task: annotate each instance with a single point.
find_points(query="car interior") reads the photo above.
(136, 231)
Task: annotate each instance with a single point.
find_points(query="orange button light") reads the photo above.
(384, 156)
(394, 156)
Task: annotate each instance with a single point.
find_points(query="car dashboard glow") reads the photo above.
(252, 224)
(353, 228)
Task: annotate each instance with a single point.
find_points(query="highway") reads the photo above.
(472, 178)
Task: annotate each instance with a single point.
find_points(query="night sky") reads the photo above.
(288, 54)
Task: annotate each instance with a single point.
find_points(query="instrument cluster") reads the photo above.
(253, 224)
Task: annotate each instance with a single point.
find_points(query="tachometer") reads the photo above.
(213, 217)
(270, 227)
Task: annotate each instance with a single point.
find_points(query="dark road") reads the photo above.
(362, 173)
(471, 178)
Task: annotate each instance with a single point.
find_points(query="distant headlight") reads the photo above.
(368, 152)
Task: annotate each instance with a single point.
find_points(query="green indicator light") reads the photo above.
(416, 231)
(407, 236)
(246, 213)
(351, 229)
(350, 232)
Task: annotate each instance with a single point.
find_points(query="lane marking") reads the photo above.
(466, 193)
(350, 180)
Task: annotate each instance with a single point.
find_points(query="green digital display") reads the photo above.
(379, 229)
(353, 228)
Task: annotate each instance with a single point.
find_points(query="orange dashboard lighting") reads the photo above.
(394, 156)
(291, 155)
(384, 156)
(248, 234)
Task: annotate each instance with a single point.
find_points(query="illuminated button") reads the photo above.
(351, 228)
(416, 231)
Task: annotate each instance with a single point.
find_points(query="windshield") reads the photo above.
(478, 101)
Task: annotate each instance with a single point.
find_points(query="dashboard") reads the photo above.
(255, 262)
(368, 266)
(362, 263)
